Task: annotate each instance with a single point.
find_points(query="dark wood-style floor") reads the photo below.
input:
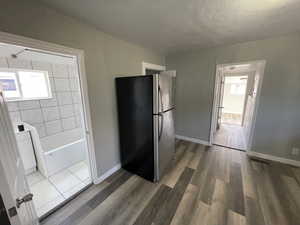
(203, 186)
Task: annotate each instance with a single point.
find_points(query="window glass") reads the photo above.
(25, 84)
(33, 84)
(237, 89)
(9, 85)
(238, 84)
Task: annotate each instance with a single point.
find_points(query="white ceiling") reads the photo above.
(172, 25)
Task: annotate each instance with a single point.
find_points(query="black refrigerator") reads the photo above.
(146, 123)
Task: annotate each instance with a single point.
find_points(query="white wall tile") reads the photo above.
(32, 104)
(49, 102)
(73, 72)
(60, 70)
(50, 116)
(52, 84)
(78, 121)
(15, 116)
(50, 113)
(32, 116)
(74, 84)
(64, 98)
(62, 84)
(44, 66)
(76, 97)
(12, 106)
(77, 109)
(66, 111)
(41, 129)
(3, 62)
(69, 123)
(19, 63)
(53, 127)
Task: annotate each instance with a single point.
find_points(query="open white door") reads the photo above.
(220, 100)
(217, 111)
(13, 185)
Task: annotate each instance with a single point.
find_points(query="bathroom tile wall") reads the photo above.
(50, 116)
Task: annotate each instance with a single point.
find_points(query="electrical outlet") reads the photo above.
(295, 151)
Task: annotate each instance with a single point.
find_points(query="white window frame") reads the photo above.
(21, 98)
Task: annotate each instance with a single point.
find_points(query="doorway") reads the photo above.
(45, 98)
(237, 91)
(230, 132)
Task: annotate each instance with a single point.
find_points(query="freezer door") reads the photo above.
(166, 90)
(164, 145)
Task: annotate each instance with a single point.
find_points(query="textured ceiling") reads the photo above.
(173, 25)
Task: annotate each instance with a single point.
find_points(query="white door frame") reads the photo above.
(151, 66)
(261, 70)
(79, 54)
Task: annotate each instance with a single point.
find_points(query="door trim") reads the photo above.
(79, 54)
(151, 66)
(261, 70)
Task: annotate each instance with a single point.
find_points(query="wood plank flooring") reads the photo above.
(202, 186)
(231, 136)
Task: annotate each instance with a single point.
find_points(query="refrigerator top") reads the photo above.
(163, 89)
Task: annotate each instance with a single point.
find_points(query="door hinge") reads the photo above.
(12, 211)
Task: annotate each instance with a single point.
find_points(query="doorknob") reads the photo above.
(221, 107)
(26, 198)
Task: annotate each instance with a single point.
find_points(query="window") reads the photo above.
(25, 84)
(10, 85)
(237, 89)
(238, 84)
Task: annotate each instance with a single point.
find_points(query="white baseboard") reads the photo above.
(98, 180)
(274, 158)
(195, 140)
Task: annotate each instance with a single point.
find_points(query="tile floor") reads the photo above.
(50, 192)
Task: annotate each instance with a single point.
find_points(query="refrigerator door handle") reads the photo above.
(161, 99)
(161, 126)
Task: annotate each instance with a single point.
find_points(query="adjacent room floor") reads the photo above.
(231, 118)
(210, 186)
(231, 136)
(48, 193)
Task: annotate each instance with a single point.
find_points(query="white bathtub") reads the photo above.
(62, 150)
(58, 151)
